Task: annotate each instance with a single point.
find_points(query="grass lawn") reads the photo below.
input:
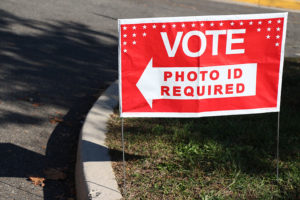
(230, 157)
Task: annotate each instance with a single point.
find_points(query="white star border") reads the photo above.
(275, 25)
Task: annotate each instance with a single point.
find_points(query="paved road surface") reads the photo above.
(56, 57)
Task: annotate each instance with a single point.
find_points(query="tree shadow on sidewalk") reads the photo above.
(53, 66)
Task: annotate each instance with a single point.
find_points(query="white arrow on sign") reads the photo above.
(197, 82)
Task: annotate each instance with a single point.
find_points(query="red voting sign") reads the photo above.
(201, 66)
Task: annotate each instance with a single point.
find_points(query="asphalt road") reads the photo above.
(56, 57)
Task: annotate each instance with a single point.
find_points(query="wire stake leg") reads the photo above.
(124, 164)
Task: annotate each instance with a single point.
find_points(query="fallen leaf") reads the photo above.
(36, 104)
(56, 120)
(38, 181)
(54, 174)
(44, 147)
(58, 113)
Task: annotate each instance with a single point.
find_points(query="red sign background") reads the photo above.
(141, 41)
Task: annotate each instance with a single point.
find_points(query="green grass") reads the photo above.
(230, 157)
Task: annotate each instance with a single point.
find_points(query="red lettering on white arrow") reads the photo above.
(197, 82)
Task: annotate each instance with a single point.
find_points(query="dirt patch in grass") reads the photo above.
(231, 157)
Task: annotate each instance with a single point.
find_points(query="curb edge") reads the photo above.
(94, 176)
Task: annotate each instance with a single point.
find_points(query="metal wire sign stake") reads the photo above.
(277, 147)
(124, 164)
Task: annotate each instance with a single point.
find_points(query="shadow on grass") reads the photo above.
(117, 156)
(246, 142)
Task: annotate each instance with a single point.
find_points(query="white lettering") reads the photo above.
(185, 41)
(171, 52)
(231, 41)
(215, 42)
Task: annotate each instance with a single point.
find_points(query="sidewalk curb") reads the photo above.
(94, 176)
(234, 2)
